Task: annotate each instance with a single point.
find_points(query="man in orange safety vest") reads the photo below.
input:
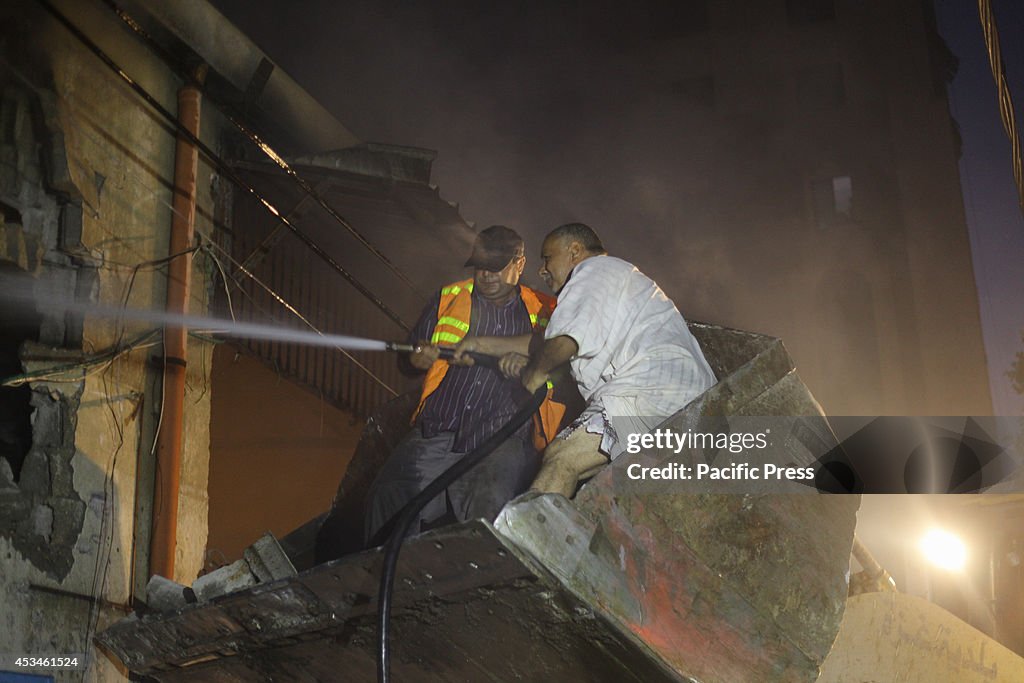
(462, 404)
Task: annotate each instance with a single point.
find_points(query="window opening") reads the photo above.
(18, 324)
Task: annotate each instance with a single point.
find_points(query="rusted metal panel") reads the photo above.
(733, 587)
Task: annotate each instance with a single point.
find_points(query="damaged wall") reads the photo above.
(39, 510)
(86, 177)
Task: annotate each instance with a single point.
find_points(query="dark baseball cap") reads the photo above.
(494, 248)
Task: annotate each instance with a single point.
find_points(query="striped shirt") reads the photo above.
(474, 402)
(636, 354)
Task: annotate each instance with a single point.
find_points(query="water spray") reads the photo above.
(20, 292)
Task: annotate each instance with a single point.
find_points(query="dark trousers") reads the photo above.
(480, 493)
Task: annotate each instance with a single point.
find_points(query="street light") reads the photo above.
(944, 550)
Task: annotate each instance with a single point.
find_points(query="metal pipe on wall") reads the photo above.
(881, 578)
(163, 542)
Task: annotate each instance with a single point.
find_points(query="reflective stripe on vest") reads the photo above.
(449, 330)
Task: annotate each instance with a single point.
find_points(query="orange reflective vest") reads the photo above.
(453, 314)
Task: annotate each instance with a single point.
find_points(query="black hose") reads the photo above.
(412, 509)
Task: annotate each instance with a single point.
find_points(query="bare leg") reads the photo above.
(568, 460)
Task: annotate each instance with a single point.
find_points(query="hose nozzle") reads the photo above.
(401, 348)
(447, 353)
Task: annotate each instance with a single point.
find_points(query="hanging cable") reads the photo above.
(407, 514)
(221, 165)
(77, 371)
(1006, 113)
(265, 147)
(207, 245)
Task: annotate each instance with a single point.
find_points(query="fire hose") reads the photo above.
(413, 507)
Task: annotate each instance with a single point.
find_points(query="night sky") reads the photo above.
(505, 92)
(986, 176)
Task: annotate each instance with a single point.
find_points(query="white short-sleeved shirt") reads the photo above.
(636, 356)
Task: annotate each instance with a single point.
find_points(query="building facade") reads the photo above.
(87, 191)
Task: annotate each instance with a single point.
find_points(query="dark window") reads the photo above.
(697, 90)
(18, 323)
(810, 11)
(675, 18)
(822, 85)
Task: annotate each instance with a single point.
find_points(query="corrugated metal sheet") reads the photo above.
(331, 305)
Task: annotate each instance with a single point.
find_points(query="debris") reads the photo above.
(164, 595)
(267, 560)
(233, 577)
(262, 562)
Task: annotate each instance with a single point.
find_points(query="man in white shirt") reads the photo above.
(628, 347)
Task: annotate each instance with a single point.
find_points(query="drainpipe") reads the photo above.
(163, 543)
(882, 580)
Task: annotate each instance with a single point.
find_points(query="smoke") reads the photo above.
(542, 114)
(692, 150)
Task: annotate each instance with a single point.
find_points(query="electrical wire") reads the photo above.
(104, 359)
(223, 276)
(222, 165)
(1006, 111)
(275, 295)
(208, 244)
(107, 359)
(107, 514)
(99, 579)
(407, 514)
(100, 576)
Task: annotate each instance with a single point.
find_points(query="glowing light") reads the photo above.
(944, 550)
